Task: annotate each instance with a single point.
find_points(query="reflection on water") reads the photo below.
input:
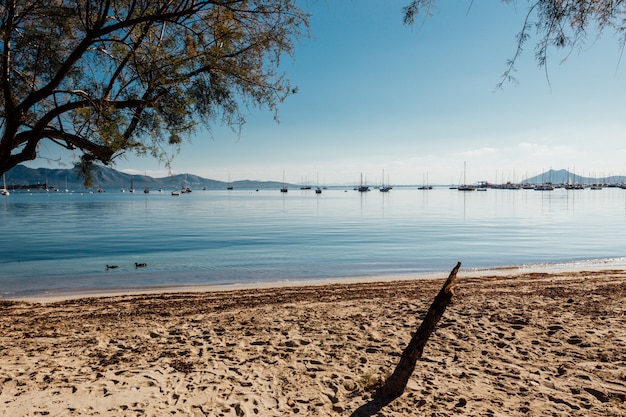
(60, 240)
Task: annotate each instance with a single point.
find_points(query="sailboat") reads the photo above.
(305, 185)
(362, 188)
(146, 189)
(100, 189)
(545, 186)
(318, 190)
(283, 189)
(464, 186)
(132, 187)
(4, 190)
(185, 188)
(384, 188)
(230, 185)
(425, 186)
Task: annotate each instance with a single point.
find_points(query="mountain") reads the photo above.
(563, 176)
(111, 179)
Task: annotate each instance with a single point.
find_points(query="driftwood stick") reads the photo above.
(395, 385)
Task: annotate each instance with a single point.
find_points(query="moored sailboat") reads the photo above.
(146, 189)
(362, 188)
(284, 188)
(384, 188)
(318, 190)
(186, 188)
(230, 184)
(425, 186)
(465, 186)
(4, 191)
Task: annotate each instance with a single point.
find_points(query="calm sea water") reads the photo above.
(58, 242)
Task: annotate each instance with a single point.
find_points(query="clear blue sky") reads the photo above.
(418, 101)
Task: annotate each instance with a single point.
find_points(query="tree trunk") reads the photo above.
(395, 385)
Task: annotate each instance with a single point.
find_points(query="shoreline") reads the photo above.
(534, 343)
(50, 296)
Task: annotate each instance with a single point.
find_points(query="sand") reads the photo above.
(528, 344)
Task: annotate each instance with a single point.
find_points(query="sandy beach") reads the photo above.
(525, 344)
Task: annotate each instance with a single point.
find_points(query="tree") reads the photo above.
(105, 77)
(556, 23)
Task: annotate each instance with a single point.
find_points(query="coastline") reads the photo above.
(51, 296)
(514, 344)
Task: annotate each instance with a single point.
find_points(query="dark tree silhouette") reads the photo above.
(553, 23)
(104, 77)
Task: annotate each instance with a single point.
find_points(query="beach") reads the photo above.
(512, 344)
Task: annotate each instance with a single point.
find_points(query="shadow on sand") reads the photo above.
(372, 407)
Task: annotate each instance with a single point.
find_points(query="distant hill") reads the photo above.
(563, 176)
(111, 179)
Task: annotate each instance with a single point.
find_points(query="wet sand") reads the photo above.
(524, 344)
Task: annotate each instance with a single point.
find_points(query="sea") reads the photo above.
(56, 243)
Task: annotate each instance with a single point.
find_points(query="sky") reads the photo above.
(416, 104)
